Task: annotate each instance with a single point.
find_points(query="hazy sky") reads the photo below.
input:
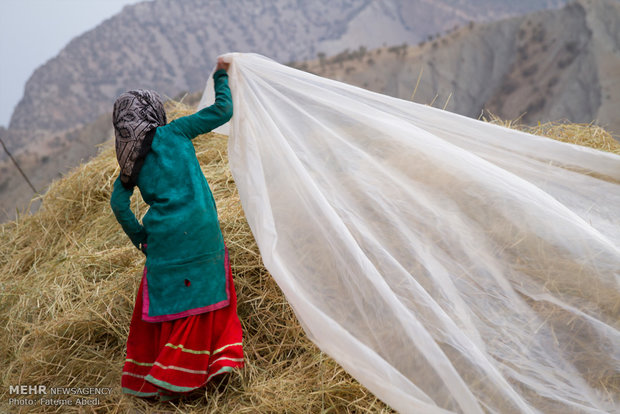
(34, 31)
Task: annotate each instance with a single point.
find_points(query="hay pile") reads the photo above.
(589, 135)
(68, 280)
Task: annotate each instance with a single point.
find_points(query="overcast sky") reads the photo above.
(34, 31)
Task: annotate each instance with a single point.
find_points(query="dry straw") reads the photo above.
(589, 135)
(68, 279)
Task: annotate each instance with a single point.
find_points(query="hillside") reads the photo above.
(62, 117)
(184, 37)
(560, 64)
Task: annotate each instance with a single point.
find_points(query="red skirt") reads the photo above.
(165, 359)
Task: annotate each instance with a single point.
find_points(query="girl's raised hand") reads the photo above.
(221, 64)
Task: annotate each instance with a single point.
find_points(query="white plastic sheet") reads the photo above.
(448, 264)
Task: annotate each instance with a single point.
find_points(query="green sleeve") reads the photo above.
(120, 203)
(212, 116)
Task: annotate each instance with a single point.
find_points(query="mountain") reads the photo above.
(544, 66)
(171, 45)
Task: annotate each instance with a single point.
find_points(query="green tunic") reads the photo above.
(185, 258)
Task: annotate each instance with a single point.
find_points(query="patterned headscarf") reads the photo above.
(136, 115)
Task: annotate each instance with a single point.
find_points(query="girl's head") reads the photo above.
(136, 115)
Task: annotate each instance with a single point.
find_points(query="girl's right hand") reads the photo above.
(222, 65)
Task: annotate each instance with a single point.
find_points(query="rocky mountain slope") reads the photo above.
(171, 45)
(544, 66)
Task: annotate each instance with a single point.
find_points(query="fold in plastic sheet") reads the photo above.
(448, 264)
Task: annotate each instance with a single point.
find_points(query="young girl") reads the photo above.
(184, 329)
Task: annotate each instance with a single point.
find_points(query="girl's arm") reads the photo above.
(212, 116)
(120, 203)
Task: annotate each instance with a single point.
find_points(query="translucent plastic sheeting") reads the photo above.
(448, 264)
